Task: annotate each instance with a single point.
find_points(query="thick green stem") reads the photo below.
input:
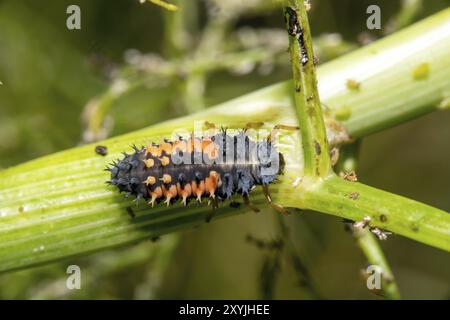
(387, 211)
(306, 96)
(398, 78)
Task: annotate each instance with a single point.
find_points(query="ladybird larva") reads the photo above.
(216, 167)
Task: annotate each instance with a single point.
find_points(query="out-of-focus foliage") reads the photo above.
(50, 74)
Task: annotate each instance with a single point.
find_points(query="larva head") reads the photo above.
(270, 162)
(126, 174)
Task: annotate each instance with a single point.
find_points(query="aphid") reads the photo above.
(353, 195)
(295, 30)
(101, 150)
(349, 176)
(216, 167)
(363, 223)
(296, 182)
(381, 234)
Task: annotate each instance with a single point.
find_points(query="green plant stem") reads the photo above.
(365, 239)
(312, 128)
(385, 69)
(176, 29)
(306, 96)
(58, 206)
(354, 201)
(165, 5)
(348, 158)
(371, 249)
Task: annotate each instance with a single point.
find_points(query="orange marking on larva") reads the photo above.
(213, 154)
(166, 178)
(150, 180)
(187, 190)
(205, 143)
(164, 161)
(166, 147)
(154, 150)
(198, 189)
(211, 150)
(155, 194)
(184, 192)
(216, 175)
(210, 186)
(194, 144)
(149, 163)
(211, 183)
(170, 193)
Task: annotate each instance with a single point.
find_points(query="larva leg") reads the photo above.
(215, 206)
(272, 204)
(249, 204)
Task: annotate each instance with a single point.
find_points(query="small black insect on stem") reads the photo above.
(295, 30)
(292, 21)
(101, 150)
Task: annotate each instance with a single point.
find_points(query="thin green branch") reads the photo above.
(371, 249)
(306, 96)
(176, 30)
(162, 4)
(369, 245)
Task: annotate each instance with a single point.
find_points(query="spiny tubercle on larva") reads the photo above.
(217, 167)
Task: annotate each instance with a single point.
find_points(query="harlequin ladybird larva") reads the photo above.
(216, 167)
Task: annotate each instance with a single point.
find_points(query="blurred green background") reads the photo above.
(53, 76)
